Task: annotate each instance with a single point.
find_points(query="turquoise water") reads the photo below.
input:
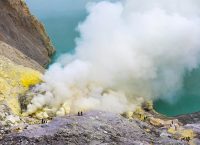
(63, 39)
(61, 18)
(188, 100)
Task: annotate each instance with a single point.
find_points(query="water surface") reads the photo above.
(188, 100)
(60, 18)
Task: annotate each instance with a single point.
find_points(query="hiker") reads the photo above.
(44, 121)
(80, 113)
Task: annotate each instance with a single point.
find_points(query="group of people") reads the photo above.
(80, 113)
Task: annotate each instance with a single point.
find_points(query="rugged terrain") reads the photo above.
(22, 31)
(91, 128)
(97, 127)
(25, 50)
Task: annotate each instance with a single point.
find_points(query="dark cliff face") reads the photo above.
(24, 32)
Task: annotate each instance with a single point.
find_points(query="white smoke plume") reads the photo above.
(126, 50)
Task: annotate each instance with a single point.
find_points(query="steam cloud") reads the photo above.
(126, 50)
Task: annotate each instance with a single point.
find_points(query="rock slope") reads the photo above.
(15, 80)
(18, 57)
(25, 49)
(24, 32)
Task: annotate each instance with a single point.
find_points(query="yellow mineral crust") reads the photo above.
(15, 80)
(181, 133)
(30, 77)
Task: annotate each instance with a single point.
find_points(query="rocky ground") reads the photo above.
(189, 118)
(97, 127)
(92, 128)
(144, 126)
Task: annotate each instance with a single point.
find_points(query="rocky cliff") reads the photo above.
(25, 49)
(22, 31)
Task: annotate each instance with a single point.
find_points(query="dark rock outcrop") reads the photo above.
(189, 118)
(21, 30)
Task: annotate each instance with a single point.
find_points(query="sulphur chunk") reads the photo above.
(171, 130)
(156, 121)
(140, 114)
(186, 133)
(30, 78)
(41, 115)
(128, 114)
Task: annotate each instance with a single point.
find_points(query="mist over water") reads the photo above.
(126, 51)
(187, 100)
